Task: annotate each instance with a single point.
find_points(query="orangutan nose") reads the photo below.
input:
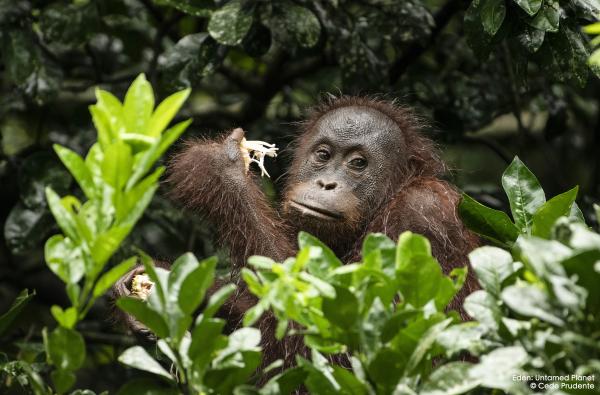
(328, 186)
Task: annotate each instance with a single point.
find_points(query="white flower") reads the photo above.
(255, 151)
(141, 286)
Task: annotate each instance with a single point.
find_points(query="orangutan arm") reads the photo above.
(209, 177)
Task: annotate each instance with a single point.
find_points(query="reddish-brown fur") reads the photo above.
(205, 180)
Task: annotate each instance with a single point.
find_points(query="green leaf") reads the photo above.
(349, 382)
(200, 8)
(484, 308)
(492, 15)
(479, 41)
(63, 380)
(467, 336)
(69, 24)
(110, 277)
(552, 210)
(531, 38)
(113, 113)
(341, 310)
(531, 7)
(136, 200)
(195, 284)
(376, 242)
(17, 306)
(63, 217)
(496, 369)
(149, 158)
(411, 245)
(524, 192)
(27, 66)
(66, 318)
(419, 276)
(165, 112)
(387, 366)
(530, 301)
(26, 228)
(261, 262)
(138, 358)
(290, 21)
(426, 342)
(138, 106)
(65, 348)
(106, 244)
(492, 224)
(206, 337)
(450, 379)
(144, 314)
(541, 256)
(568, 51)
(255, 312)
(217, 300)
(576, 214)
(102, 124)
(159, 286)
(286, 382)
(187, 62)
(64, 258)
(254, 285)
(418, 280)
(582, 265)
(492, 266)
(77, 168)
(229, 25)
(16, 134)
(321, 259)
(548, 18)
(116, 166)
(320, 379)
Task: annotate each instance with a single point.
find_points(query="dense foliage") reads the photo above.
(382, 322)
(496, 77)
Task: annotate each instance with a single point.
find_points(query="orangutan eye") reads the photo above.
(323, 155)
(358, 163)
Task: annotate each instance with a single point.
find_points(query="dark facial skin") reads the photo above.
(343, 171)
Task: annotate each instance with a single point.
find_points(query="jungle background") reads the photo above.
(491, 78)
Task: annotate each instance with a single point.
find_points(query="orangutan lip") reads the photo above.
(318, 212)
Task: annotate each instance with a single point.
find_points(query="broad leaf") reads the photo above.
(112, 276)
(450, 379)
(484, 308)
(341, 310)
(530, 301)
(552, 210)
(138, 358)
(165, 112)
(65, 348)
(150, 318)
(77, 168)
(138, 106)
(66, 318)
(492, 224)
(524, 192)
(17, 306)
(492, 266)
(230, 24)
(531, 7)
(492, 15)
